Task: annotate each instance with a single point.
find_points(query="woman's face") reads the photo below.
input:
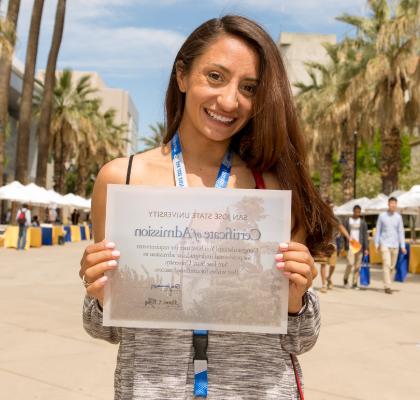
(220, 89)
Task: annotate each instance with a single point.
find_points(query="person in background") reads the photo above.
(327, 282)
(35, 221)
(75, 217)
(388, 239)
(23, 219)
(8, 216)
(52, 215)
(358, 229)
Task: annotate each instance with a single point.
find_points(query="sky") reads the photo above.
(132, 43)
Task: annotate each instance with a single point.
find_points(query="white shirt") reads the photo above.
(27, 215)
(354, 228)
(390, 230)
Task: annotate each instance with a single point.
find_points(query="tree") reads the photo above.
(156, 139)
(391, 41)
(43, 132)
(7, 44)
(371, 82)
(82, 137)
(69, 109)
(25, 113)
(101, 141)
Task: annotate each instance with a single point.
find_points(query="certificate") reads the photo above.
(197, 258)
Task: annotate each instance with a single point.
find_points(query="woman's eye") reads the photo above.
(249, 89)
(214, 76)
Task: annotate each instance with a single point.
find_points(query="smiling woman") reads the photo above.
(229, 108)
(219, 89)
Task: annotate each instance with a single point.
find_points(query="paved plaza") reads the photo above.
(368, 349)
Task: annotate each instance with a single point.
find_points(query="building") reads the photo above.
(118, 99)
(298, 48)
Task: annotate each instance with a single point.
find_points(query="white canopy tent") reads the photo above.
(36, 195)
(347, 208)
(77, 201)
(410, 199)
(408, 202)
(14, 191)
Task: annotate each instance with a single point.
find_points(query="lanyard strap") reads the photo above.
(179, 167)
(200, 337)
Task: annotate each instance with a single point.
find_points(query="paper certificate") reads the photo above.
(197, 258)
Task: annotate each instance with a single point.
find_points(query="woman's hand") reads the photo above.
(98, 258)
(298, 266)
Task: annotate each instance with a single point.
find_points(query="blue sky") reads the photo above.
(132, 43)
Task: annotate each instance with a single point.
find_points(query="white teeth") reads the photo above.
(219, 117)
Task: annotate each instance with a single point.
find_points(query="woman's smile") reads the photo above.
(221, 120)
(219, 89)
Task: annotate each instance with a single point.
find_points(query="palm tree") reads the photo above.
(82, 137)
(344, 96)
(43, 132)
(315, 103)
(7, 44)
(156, 140)
(101, 141)
(69, 109)
(391, 42)
(22, 148)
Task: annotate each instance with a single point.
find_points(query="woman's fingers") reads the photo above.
(94, 259)
(292, 268)
(97, 271)
(293, 246)
(96, 289)
(92, 249)
(298, 256)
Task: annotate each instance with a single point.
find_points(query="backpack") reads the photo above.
(21, 219)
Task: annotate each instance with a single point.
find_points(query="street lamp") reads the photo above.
(355, 163)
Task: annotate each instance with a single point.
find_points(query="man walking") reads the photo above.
(389, 238)
(359, 237)
(23, 219)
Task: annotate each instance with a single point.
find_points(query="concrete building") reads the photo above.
(298, 48)
(120, 100)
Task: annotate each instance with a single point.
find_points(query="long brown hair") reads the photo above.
(271, 140)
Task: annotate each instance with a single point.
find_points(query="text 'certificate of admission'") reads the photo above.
(197, 258)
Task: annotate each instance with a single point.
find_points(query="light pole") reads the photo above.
(355, 163)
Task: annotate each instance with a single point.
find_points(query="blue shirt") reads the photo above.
(390, 230)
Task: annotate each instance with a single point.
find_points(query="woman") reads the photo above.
(228, 89)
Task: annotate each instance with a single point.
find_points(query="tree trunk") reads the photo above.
(6, 58)
(82, 172)
(348, 160)
(25, 113)
(390, 159)
(43, 132)
(325, 174)
(59, 160)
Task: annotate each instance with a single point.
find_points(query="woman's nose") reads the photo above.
(228, 98)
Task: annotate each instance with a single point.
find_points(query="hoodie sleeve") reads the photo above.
(303, 328)
(92, 322)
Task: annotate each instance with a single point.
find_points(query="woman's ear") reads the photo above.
(180, 76)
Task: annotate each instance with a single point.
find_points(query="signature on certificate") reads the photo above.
(153, 303)
(177, 286)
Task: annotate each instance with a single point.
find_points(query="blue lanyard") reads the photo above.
(200, 337)
(179, 167)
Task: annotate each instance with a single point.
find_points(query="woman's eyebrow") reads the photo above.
(223, 68)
